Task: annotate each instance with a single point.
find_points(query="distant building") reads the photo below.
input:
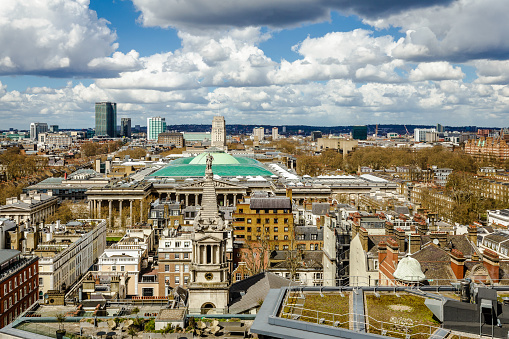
(125, 127)
(441, 175)
(18, 283)
(440, 128)
(315, 135)
(53, 128)
(258, 133)
(155, 126)
(344, 146)
(167, 138)
(57, 140)
(36, 128)
(420, 134)
(218, 132)
(106, 119)
(275, 134)
(33, 207)
(489, 148)
(360, 132)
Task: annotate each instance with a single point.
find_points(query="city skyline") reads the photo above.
(315, 63)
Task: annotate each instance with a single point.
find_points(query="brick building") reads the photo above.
(174, 260)
(167, 138)
(18, 284)
(488, 147)
(264, 216)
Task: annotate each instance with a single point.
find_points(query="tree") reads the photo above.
(308, 165)
(132, 332)
(135, 153)
(60, 319)
(331, 160)
(255, 252)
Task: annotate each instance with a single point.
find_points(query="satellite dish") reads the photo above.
(436, 242)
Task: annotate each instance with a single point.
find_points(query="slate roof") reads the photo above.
(310, 259)
(271, 203)
(320, 208)
(435, 264)
(459, 242)
(247, 294)
(497, 237)
(401, 210)
(373, 241)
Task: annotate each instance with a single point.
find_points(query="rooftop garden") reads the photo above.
(399, 315)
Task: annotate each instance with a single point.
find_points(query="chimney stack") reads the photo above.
(389, 228)
(491, 262)
(415, 242)
(363, 236)
(400, 238)
(458, 263)
(472, 234)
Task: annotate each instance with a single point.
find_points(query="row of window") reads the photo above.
(21, 278)
(17, 311)
(176, 255)
(267, 220)
(177, 280)
(187, 244)
(13, 300)
(266, 211)
(177, 268)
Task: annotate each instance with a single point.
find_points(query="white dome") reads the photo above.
(409, 270)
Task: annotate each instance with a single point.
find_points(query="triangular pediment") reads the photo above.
(218, 183)
(13, 209)
(208, 239)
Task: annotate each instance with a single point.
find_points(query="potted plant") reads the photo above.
(61, 331)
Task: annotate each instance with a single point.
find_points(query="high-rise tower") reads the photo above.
(125, 127)
(106, 119)
(154, 127)
(218, 132)
(36, 128)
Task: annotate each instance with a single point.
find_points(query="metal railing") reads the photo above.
(406, 329)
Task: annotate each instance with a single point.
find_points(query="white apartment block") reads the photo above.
(66, 261)
(258, 133)
(498, 217)
(275, 133)
(128, 256)
(420, 134)
(57, 140)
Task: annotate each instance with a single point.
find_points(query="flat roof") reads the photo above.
(6, 255)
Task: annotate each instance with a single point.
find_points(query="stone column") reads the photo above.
(187, 199)
(177, 195)
(131, 212)
(120, 210)
(195, 199)
(110, 206)
(141, 210)
(90, 210)
(225, 198)
(100, 208)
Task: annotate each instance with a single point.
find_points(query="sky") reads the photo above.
(270, 62)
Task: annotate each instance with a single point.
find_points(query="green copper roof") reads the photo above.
(223, 165)
(219, 159)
